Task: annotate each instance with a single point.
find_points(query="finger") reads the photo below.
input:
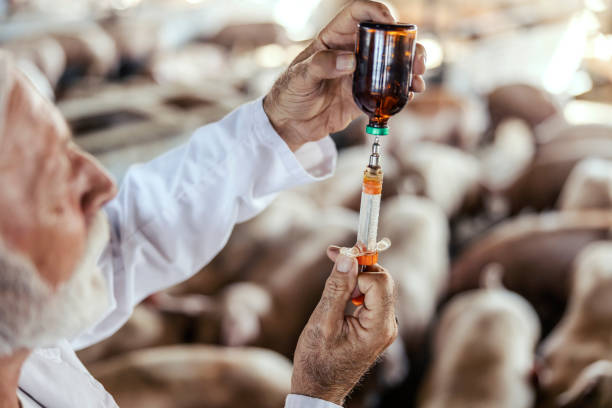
(356, 293)
(369, 268)
(340, 32)
(338, 289)
(327, 64)
(377, 315)
(374, 268)
(420, 60)
(418, 84)
(332, 252)
(379, 291)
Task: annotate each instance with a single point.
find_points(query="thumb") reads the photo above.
(338, 289)
(332, 252)
(322, 65)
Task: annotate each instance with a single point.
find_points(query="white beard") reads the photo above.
(33, 315)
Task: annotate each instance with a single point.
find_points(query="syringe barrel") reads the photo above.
(370, 208)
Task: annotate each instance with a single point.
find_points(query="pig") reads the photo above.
(589, 185)
(249, 36)
(147, 327)
(283, 288)
(89, 50)
(444, 174)
(536, 252)
(44, 52)
(439, 116)
(418, 260)
(186, 376)
(136, 39)
(592, 389)
(284, 222)
(510, 154)
(522, 101)
(584, 335)
(483, 352)
(538, 187)
(279, 282)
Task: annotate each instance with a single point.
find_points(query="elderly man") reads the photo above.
(69, 278)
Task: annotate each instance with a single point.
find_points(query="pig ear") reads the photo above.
(491, 276)
(332, 252)
(593, 388)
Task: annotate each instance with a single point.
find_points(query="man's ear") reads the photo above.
(592, 388)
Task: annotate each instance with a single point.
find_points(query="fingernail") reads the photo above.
(345, 62)
(344, 264)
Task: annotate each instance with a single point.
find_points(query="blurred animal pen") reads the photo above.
(497, 197)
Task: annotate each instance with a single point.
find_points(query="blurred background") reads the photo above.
(503, 167)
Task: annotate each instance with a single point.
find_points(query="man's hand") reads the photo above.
(335, 350)
(313, 98)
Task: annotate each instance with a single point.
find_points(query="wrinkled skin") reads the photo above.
(51, 189)
(313, 98)
(335, 350)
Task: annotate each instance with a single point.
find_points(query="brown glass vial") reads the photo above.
(383, 76)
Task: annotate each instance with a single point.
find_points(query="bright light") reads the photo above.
(435, 54)
(568, 56)
(270, 56)
(294, 16)
(124, 4)
(600, 47)
(596, 5)
(581, 83)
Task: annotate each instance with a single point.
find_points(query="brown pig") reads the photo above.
(522, 101)
(589, 185)
(592, 389)
(288, 219)
(196, 376)
(147, 327)
(536, 253)
(584, 335)
(89, 48)
(284, 287)
(483, 352)
(539, 185)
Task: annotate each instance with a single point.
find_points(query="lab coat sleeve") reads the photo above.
(175, 213)
(302, 401)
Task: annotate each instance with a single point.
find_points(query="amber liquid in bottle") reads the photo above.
(383, 76)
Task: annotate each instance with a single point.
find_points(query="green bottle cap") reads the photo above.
(377, 131)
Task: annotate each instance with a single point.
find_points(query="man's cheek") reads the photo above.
(62, 246)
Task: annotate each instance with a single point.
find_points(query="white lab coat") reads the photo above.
(171, 217)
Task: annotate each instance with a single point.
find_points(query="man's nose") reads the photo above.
(99, 186)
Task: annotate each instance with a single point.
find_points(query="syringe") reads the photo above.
(366, 249)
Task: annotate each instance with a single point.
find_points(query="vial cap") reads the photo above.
(377, 131)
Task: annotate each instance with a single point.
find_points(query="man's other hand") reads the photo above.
(335, 350)
(313, 97)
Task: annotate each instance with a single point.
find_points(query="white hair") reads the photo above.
(33, 314)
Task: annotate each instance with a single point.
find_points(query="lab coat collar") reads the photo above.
(55, 377)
